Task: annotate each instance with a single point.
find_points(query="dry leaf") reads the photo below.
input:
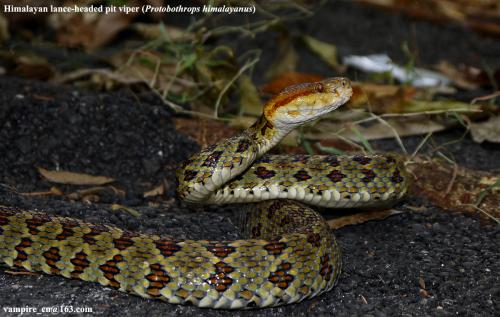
(326, 51)
(108, 26)
(157, 191)
(465, 77)
(131, 211)
(486, 131)
(64, 177)
(285, 61)
(249, 97)
(457, 188)
(358, 218)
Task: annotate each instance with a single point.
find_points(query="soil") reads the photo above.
(417, 263)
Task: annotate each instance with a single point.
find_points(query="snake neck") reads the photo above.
(265, 135)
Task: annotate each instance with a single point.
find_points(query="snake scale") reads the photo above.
(289, 253)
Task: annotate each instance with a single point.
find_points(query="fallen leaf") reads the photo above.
(64, 177)
(94, 191)
(157, 191)
(486, 131)
(456, 188)
(54, 191)
(358, 218)
(131, 211)
(249, 97)
(326, 51)
(286, 59)
(463, 77)
(108, 26)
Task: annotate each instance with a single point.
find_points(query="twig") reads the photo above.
(452, 181)
(414, 114)
(484, 212)
(247, 65)
(420, 146)
(487, 97)
(396, 135)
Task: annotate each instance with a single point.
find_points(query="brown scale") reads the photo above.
(221, 250)
(263, 173)
(335, 176)
(95, 231)
(3, 222)
(80, 263)
(52, 256)
(314, 239)
(332, 160)
(243, 145)
(221, 280)
(125, 240)
(167, 247)
(36, 222)
(280, 277)
(21, 254)
(302, 175)
(65, 233)
(110, 270)
(190, 174)
(396, 177)
(158, 279)
(212, 159)
(362, 159)
(326, 269)
(369, 175)
(275, 248)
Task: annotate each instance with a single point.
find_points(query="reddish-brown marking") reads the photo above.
(267, 125)
(219, 249)
(167, 247)
(3, 219)
(96, 230)
(263, 173)
(326, 267)
(21, 254)
(335, 176)
(275, 248)
(51, 258)
(285, 98)
(80, 263)
(314, 239)
(110, 270)
(123, 242)
(66, 233)
(158, 279)
(36, 222)
(281, 277)
(221, 280)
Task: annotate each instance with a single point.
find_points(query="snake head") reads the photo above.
(302, 103)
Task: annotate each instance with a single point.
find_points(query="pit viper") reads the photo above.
(289, 253)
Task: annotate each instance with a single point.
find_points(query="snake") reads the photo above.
(287, 252)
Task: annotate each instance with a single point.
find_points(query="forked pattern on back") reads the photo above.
(289, 254)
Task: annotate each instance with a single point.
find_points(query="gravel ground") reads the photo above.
(414, 264)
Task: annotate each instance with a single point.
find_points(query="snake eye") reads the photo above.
(319, 87)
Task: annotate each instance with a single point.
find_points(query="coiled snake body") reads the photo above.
(290, 253)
